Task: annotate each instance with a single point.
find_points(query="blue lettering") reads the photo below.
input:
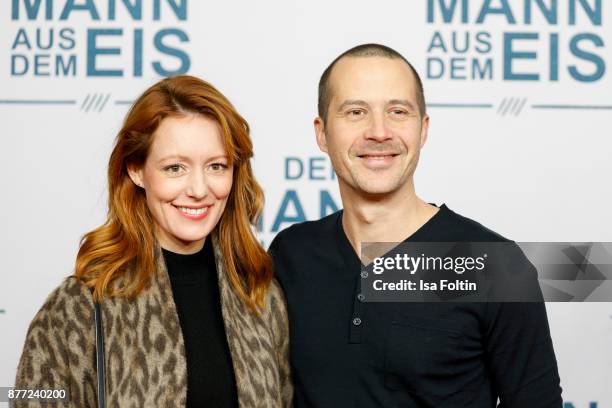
(41, 65)
(510, 55)
(290, 197)
(289, 175)
(138, 52)
(14, 70)
(503, 9)
(88, 6)
(31, 8)
(431, 74)
(594, 13)
(181, 55)
(457, 68)
(437, 42)
(549, 13)
(68, 35)
(39, 41)
(554, 57)
(312, 168)
(93, 51)
(460, 68)
(482, 72)
(180, 10)
(135, 9)
(483, 38)
(466, 43)
(21, 39)
(447, 10)
(600, 65)
(41, 61)
(327, 204)
(65, 69)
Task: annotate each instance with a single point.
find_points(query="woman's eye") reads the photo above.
(173, 168)
(218, 167)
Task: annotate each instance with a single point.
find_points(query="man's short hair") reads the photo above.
(366, 50)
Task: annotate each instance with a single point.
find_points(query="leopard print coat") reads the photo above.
(145, 354)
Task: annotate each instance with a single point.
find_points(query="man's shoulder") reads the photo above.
(456, 227)
(307, 231)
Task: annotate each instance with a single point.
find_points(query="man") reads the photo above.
(349, 353)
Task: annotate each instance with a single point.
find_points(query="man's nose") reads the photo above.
(378, 129)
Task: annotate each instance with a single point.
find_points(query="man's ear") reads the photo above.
(320, 132)
(424, 129)
(135, 174)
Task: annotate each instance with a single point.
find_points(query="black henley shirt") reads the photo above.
(347, 353)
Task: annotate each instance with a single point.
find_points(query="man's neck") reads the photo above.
(390, 218)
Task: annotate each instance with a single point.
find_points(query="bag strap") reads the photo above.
(100, 356)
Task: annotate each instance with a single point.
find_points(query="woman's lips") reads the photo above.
(193, 213)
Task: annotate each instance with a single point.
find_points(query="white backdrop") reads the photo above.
(527, 156)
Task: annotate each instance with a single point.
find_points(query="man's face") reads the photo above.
(374, 131)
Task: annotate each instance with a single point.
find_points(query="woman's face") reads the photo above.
(187, 180)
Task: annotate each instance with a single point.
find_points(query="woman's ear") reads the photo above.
(135, 174)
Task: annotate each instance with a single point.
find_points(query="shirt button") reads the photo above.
(361, 297)
(356, 321)
(364, 274)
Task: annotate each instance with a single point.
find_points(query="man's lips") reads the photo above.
(377, 155)
(378, 160)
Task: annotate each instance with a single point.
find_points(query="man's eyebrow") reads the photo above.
(404, 102)
(359, 102)
(348, 102)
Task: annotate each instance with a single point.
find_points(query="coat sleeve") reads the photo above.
(59, 348)
(280, 327)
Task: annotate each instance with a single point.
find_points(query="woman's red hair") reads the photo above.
(118, 258)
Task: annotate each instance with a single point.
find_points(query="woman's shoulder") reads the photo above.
(71, 301)
(72, 289)
(276, 308)
(67, 311)
(276, 296)
(59, 341)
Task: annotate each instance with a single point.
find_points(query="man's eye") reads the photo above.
(399, 112)
(356, 112)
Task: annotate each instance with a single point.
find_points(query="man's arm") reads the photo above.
(520, 356)
(518, 346)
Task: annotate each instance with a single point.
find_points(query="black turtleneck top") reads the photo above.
(195, 286)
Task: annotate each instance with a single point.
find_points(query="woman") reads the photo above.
(190, 311)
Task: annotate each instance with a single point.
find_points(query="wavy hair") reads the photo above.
(118, 258)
